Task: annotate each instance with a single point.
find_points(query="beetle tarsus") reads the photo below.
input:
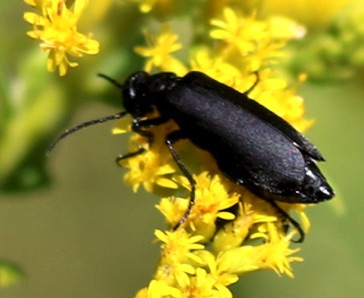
(129, 154)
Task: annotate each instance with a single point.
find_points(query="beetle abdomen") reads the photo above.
(248, 148)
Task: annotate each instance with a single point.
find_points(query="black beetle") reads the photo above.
(252, 146)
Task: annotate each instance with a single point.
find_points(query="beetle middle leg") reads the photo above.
(139, 126)
(170, 139)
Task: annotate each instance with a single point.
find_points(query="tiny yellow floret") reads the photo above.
(55, 26)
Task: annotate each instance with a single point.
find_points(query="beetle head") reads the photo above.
(142, 91)
(135, 97)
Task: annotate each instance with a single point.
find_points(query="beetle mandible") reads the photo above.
(252, 146)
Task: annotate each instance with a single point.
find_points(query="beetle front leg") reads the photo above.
(139, 126)
(170, 139)
(121, 157)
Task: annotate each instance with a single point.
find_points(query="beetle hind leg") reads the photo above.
(292, 221)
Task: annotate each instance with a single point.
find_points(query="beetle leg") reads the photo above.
(285, 215)
(281, 212)
(120, 157)
(170, 139)
(139, 126)
(254, 85)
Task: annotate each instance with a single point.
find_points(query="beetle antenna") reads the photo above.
(111, 80)
(67, 132)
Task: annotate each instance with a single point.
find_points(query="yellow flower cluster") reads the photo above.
(55, 26)
(229, 231)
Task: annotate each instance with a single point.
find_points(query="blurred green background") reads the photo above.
(87, 235)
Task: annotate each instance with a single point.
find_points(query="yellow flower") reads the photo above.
(176, 275)
(177, 245)
(278, 255)
(205, 285)
(212, 199)
(152, 168)
(159, 51)
(221, 277)
(56, 28)
(274, 255)
(160, 289)
(312, 13)
(148, 170)
(177, 253)
(252, 40)
(253, 212)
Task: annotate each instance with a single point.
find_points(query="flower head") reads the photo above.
(159, 51)
(56, 28)
(212, 203)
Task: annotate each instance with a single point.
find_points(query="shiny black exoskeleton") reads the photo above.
(252, 146)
